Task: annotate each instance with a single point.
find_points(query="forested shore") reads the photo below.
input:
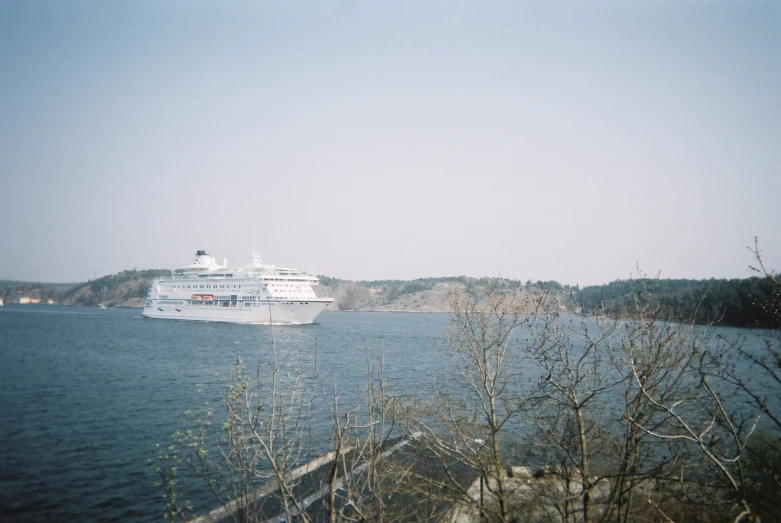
(733, 302)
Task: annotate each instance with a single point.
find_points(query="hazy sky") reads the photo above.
(373, 140)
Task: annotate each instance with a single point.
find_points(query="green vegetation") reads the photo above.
(123, 288)
(328, 281)
(425, 282)
(12, 290)
(116, 289)
(763, 472)
(9, 284)
(736, 302)
(406, 288)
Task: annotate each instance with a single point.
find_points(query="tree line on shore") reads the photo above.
(126, 288)
(733, 302)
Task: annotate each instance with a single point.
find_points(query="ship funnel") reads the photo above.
(225, 261)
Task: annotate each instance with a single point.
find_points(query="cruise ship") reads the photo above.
(255, 293)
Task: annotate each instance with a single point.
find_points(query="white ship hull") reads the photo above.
(276, 313)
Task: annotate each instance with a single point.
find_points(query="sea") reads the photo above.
(86, 393)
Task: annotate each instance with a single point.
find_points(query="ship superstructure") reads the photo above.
(254, 293)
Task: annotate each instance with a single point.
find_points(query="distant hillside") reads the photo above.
(750, 302)
(425, 294)
(127, 288)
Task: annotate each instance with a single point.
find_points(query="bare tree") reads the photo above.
(460, 429)
(677, 371)
(256, 443)
(360, 440)
(620, 417)
(572, 359)
(352, 296)
(542, 416)
(761, 382)
(766, 360)
(254, 458)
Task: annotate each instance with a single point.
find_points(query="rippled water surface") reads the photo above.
(86, 393)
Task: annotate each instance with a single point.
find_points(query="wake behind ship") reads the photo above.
(255, 293)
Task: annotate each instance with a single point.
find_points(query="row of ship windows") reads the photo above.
(280, 303)
(218, 286)
(256, 298)
(229, 304)
(223, 286)
(245, 299)
(164, 297)
(276, 279)
(236, 286)
(216, 276)
(250, 304)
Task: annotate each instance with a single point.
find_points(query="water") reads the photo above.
(86, 393)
